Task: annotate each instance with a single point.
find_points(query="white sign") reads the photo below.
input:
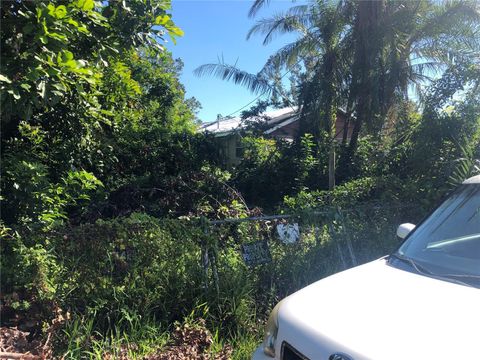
(288, 233)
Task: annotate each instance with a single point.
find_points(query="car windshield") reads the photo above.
(447, 244)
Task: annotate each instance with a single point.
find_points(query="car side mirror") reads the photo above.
(404, 229)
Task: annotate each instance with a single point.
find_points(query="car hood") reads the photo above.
(376, 311)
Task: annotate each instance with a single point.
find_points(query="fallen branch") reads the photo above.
(14, 356)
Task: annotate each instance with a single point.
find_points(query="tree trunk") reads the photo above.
(357, 126)
(345, 129)
(331, 167)
(348, 116)
(368, 47)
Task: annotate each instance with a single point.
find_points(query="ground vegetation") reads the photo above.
(111, 245)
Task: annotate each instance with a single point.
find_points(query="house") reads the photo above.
(279, 124)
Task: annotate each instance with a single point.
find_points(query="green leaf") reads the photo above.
(3, 78)
(58, 95)
(39, 14)
(64, 57)
(86, 5)
(26, 86)
(14, 93)
(83, 29)
(51, 9)
(72, 64)
(51, 71)
(57, 36)
(60, 86)
(176, 31)
(162, 19)
(72, 22)
(60, 11)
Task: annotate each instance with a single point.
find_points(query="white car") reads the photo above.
(420, 302)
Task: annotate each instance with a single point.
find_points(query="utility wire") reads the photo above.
(259, 96)
(308, 31)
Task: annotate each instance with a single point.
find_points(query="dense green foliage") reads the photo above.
(95, 125)
(366, 57)
(130, 276)
(108, 118)
(107, 186)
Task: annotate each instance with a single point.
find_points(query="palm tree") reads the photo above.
(322, 40)
(360, 54)
(320, 95)
(403, 44)
(294, 20)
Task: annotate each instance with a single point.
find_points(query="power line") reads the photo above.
(244, 106)
(259, 96)
(286, 73)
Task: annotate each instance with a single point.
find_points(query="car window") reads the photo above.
(448, 242)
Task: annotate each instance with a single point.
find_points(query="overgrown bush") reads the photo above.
(140, 267)
(271, 169)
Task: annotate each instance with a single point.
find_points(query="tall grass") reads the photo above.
(137, 277)
(133, 336)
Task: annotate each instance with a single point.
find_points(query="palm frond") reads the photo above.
(280, 24)
(465, 166)
(289, 55)
(455, 19)
(256, 6)
(253, 82)
(418, 90)
(299, 10)
(445, 54)
(426, 69)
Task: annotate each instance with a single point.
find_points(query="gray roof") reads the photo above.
(226, 126)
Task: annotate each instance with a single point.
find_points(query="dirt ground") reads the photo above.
(17, 344)
(188, 343)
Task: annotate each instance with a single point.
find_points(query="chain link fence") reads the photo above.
(279, 254)
(233, 269)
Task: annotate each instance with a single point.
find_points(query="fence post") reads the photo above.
(205, 260)
(215, 273)
(347, 237)
(337, 244)
(205, 263)
(209, 258)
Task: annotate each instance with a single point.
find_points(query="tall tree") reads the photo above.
(400, 45)
(70, 84)
(320, 51)
(320, 95)
(362, 55)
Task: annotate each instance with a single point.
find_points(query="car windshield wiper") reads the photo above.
(422, 270)
(405, 259)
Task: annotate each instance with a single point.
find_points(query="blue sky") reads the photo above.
(214, 29)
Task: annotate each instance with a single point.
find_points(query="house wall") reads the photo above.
(230, 149)
(339, 127)
(288, 132)
(291, 130)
